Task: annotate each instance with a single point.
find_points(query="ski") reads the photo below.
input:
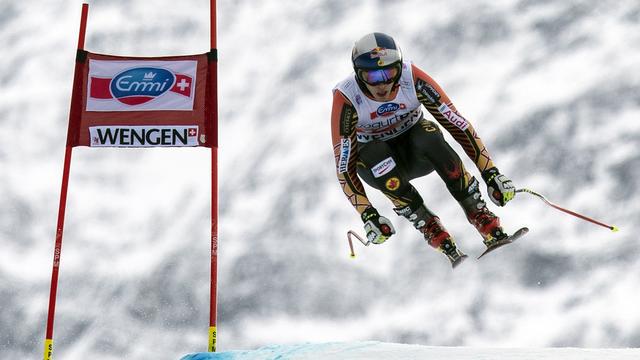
(508, 240)
(458, 261)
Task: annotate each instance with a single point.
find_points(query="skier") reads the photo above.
(380, 135)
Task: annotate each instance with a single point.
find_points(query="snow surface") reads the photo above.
(372, 350)
(550, 86)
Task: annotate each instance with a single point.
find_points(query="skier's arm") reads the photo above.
(436, 101)
(343, 133)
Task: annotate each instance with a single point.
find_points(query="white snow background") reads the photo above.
(551, 87)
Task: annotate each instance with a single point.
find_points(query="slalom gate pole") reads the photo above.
(583, 217)
(57, 252)
(213, 80)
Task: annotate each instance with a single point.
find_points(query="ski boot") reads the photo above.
(485, 221)
(434, 233)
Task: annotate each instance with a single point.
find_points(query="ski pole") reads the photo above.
(610, 227)
(353, 233)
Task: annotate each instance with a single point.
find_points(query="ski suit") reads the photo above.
(387, 144)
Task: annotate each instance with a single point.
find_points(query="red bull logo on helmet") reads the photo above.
(378, 52)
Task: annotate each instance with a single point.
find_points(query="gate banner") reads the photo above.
(142, 102)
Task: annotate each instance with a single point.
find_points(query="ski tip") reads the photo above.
(615, 229)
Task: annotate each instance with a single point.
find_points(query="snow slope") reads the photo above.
(372, 350)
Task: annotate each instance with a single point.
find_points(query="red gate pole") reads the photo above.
(73, 118)
(213, 81)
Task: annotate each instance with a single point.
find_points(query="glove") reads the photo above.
(378, 228)
(500, 189)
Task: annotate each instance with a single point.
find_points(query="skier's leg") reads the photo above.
(485, 221)
(433, 231)
(383, 169)
(427, 141)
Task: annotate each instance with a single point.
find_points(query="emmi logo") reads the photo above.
(139, 85)
(143, 136)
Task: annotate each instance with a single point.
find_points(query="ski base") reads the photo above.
(506, 241)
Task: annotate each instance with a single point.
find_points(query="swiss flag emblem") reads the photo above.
(183, 85)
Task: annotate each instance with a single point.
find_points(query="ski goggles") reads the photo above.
(381, 76)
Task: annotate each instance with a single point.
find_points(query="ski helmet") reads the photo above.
(377, 59)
